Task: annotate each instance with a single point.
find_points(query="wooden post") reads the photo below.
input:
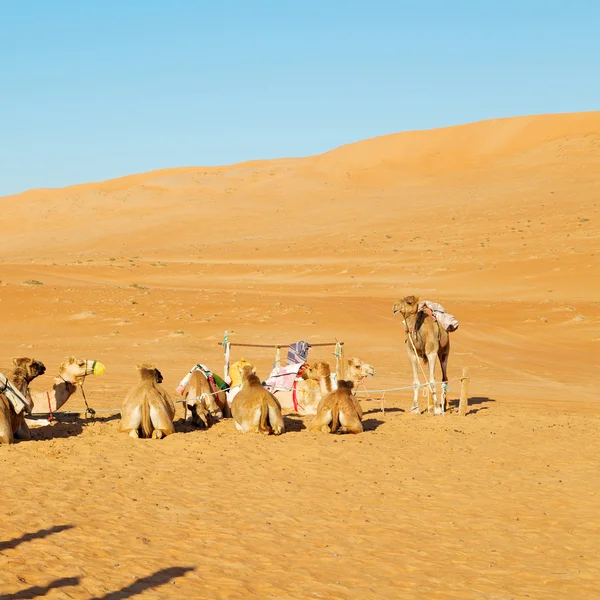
(341, 367)
(464, 392)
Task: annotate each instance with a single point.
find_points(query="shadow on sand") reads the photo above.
(139, 586)
(27, 537)
(145, 583)
(38, 590)
(66, 426)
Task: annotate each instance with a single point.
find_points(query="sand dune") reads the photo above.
(496, 220)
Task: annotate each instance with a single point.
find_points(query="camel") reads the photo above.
(72, 373)
(316, 381)
(426, 340)
(13, 425)
(148, 411)
(337, 411)
(254, 408)
(204, 402)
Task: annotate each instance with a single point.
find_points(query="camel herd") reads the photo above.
(148, 410)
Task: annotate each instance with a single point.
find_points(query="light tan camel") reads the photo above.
(254, 408)
(426, 340)
(148, 411)
(203, 402)
(314, 385)
(72, 373)
(337, 412)
(316, 381)
(13, 425)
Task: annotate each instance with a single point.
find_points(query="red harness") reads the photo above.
(50, 415)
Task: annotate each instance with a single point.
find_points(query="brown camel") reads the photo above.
(317, 381)
(148, 411)
(13, 425)
(72, 373)
(254, 408)
(337, 412)
(203, 402)
(426, 340)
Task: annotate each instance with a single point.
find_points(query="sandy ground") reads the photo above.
(498, 221)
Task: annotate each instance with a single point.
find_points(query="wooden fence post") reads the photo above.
(341, 367)
(464, 392)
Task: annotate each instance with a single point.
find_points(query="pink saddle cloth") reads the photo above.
(282, 378)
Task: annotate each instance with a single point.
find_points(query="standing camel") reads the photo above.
(425, 341)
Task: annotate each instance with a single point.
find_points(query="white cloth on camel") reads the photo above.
(18, 401)
(446, 320)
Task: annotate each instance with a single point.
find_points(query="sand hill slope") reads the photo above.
(498, 221)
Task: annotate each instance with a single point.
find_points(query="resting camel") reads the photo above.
(13, 425)
(426, 340)
(72, 372)
(254, 408)
(337, 412)
(317, 380)
(203, 402)
(148, 411)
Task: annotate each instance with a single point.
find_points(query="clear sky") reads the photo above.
(95, 89)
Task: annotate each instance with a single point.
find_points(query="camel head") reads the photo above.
(407, 306)
(28, 368)
(317, 371)
(76, 369)
(235, 372)
(248, 373)
(150, 372)
(357, 369)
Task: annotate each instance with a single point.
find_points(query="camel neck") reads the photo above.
(20, 380)
(325, 385)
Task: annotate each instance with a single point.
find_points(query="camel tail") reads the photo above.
(263, 426)
(146, 424)
(335, 418)
(275, 419)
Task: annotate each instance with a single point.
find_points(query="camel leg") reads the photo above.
(437, 409)
(414, 363)
(134, 433)
(157, 434)
(6, 434)
(444, 364)
(23, 432)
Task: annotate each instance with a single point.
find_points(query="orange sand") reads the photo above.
(496, 220)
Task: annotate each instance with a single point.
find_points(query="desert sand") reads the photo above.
(497, 220)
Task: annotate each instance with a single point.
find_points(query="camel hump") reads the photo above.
(343, 384)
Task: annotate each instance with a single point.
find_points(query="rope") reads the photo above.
(409, 387)
(384, 391)
(329, 344)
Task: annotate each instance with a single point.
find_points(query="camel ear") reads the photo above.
(70, 360)
(253, 370)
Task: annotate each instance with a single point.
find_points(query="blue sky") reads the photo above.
(95, 89)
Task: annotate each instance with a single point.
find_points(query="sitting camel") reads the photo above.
(337, 412)
(316, 381)
(12, 424)
(148, 411)
(204, 401)
(72, 372)
(254, 408)
(425, 341)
